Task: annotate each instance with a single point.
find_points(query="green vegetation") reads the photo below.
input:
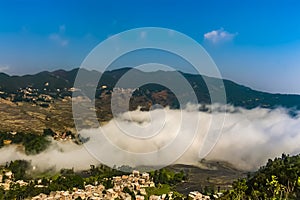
(98, 173)
(33, 143)
(279, 179)
(21, 192)
(65, 181)
(19, 168)
(160, 189)
(165, 176)
(127, 190)
(165, 180)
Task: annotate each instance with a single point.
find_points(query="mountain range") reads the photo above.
(59, 82)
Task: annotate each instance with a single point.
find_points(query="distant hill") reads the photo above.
(58, 83)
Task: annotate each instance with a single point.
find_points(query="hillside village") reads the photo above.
(124, 187)
(132, 186)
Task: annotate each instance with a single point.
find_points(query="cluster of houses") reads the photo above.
(7, 142)
(6, 179)
(64, 136)
(32, 94)
(90, 192)
(135, 183)
(38, 97)
(124, 187)
(196, 195)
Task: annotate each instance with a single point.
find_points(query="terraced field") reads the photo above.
(28, 117)
(207, 176)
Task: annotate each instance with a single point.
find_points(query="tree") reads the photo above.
(275, 187)
(278, 179)
(49, 132)
(239, 190)
(19, 168)
(36, 145)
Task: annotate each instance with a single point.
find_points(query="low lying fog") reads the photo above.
(248, 138)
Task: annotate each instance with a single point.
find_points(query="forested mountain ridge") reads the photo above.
(59, 82)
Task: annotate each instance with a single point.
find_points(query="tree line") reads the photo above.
(278, 179)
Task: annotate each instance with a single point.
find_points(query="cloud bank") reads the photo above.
(248, 138)
(58, 156)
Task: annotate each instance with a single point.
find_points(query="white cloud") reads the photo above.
(59, 37)
(4, 68)
(249, 138)
(220, 35)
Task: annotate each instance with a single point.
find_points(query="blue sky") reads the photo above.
(255, 43)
